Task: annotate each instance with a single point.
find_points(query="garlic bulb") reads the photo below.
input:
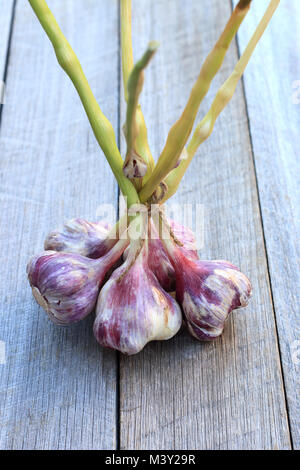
(207, 291)
(82, 237)
(67, 285)
(132, 307)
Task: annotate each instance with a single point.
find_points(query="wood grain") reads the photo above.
(229, 394)
(58, 388)
(273, 107)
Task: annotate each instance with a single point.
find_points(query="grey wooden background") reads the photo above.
(58, 389)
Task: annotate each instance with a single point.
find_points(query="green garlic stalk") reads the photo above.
(170, 164)
(126, 43)
(181, 130)
(134, 165)
(101, 126)
(204, 129)
(141, 143)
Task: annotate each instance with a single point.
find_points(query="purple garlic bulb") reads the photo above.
(67, 285)
(158, 259)
(208, 291)
(133, 309)
(82, 237)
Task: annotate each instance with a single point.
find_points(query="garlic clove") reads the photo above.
(82, 237)
(67, 285)
(133, 309)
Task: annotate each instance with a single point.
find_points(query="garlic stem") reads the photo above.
(181, 130)
(142, 145)
(101, 126)
(204, 129)
(134, 86)
(126, 43)
(114, 253)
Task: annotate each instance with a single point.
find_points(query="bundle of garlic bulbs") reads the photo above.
(124, 274)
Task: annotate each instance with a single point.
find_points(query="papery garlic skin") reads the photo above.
(187, 237)
(134, 166)
(133, 309)
(67, 285)
(82, 237)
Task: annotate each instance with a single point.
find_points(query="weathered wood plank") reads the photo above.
(183, 394)
(273, 107)
(58, 388)
(6, 9)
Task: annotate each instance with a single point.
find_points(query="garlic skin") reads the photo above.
(134, 166)
(133, 309)
(82, 237)
(67, 285)
(160, 265)
(187, 237)
(208, 291)
(158, 260)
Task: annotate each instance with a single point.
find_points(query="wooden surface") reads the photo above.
(58, 389)
(274, 115)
